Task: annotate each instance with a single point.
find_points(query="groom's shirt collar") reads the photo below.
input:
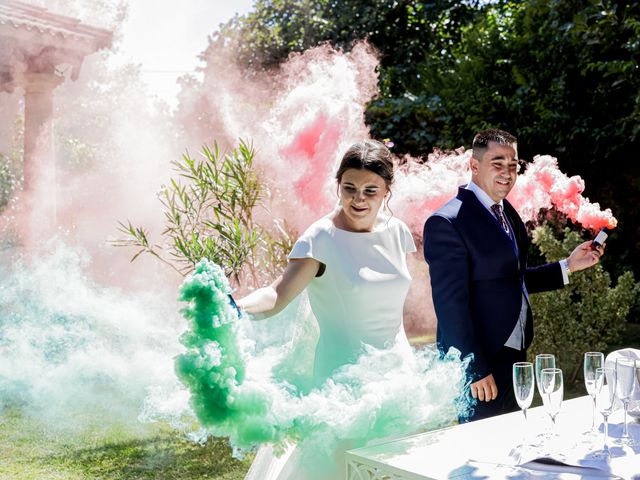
(484, 198)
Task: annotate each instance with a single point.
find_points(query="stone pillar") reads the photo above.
(39, 159)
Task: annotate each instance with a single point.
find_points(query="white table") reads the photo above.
(481, 449)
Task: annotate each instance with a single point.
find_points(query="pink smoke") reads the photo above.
(310, 148)
(422, 188)
(300, 119)
(544, 185)
(316, 115)
(319, 112)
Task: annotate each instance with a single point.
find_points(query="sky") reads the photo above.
(166, 40)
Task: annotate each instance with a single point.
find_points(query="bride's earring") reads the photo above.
(387, 197)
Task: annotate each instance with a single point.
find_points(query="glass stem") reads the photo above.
(626, 430)
(524, 430)
(593, 416)
(551, 425)
(606, 431)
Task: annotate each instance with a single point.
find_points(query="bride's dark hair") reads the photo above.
(368, 155)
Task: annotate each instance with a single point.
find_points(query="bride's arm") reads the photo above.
(267, 301)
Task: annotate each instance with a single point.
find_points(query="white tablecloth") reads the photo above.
(484, 450)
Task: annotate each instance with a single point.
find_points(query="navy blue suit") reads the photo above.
(476, 281)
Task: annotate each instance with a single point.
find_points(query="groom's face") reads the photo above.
(497, 169)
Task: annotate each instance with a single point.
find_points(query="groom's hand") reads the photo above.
(485, 389)
(584, 256)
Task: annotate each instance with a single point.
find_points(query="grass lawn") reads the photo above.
(29, 451)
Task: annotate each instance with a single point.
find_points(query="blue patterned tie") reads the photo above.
(496, 208)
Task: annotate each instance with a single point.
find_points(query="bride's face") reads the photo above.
(362, 193)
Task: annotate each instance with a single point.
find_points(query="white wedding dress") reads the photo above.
(357, 301)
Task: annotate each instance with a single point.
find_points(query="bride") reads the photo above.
(353, 265)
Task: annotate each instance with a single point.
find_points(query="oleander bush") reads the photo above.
(589, 314)
(209, 213)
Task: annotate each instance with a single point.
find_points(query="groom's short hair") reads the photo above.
(482, 139)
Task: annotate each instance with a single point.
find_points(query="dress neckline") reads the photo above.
(381, 227)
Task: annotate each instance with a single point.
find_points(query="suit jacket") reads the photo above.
(476, 277)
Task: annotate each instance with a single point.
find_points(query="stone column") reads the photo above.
(39, 159)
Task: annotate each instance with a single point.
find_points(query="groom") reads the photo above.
(476, 247)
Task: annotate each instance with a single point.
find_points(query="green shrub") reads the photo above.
(208, 213)
(10, 179)
(586, 315)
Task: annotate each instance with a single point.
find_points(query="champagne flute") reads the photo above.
(605, 393)
(636, 403)
(592, 361)
(544, 360)
(523, 387)
(625, 384)
(552, 393)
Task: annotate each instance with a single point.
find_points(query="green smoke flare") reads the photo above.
(213, 368)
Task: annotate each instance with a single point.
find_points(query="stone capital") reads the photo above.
(36, 82)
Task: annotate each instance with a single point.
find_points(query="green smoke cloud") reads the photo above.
(387, 392)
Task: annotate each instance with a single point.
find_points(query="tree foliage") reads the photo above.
(587, 315)
(399, 29)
